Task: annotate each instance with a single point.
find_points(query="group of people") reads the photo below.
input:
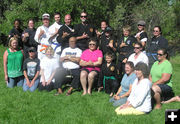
(132, 69)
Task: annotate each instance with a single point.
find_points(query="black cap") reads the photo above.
(108, 29)
(32, 49)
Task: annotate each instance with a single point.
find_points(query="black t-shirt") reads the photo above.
(30, 42)
(31, 66)
(156, 43)
(143, 35)
(129, 49)
(65, 41)
(87, 29)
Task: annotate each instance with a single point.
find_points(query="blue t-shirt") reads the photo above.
(126, 81)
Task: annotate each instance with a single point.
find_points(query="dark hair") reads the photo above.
(138, 43)
(141, 66)
(30, 20)
(57, 13)
(94, 40)
(159, 27)
(131, 64)
(110, 54)
(18, 20)
(165, 52)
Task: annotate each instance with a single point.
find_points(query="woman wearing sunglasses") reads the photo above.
(157, 42)
(138, 55)
(161, 77)
(91, 59)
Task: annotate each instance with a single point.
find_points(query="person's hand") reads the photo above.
(26, 34)
(32, 83)
(90, 63)
(100, 88)
(124, 61)
(98, 33)
(6, 78)
(43, 83)
(110, 45)
(117, 97)
(48, 82)
(65, 34)
(41, 32)
(16, 36)
(123, 44)
(84, 36)
(28, 83)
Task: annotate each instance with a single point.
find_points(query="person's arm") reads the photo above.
(84, 63)
(26, 77)
(34, 79)
(74, 59)
(83, 36)
(5, 65)
(165, 77)
(98, 63)
(150, 77)
(43, 77)
(119, 90)
(51, 77)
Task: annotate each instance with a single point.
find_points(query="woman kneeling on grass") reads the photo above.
(139, 101)
(48, 69)
(13, 61)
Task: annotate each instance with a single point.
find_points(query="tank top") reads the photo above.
(14, 64)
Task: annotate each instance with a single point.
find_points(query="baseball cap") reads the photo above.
(141, 22)
(45, 16)
(32, 49)
(108, 29)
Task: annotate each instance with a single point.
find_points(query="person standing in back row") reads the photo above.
(83, 32)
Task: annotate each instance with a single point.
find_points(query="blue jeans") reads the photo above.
(33, 87)
(18, 81)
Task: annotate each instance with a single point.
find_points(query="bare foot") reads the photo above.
(158, 106)
(84, 93)
(111, 95)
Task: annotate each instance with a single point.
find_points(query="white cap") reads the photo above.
(45, 16)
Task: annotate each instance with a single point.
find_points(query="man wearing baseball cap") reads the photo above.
(42, 35)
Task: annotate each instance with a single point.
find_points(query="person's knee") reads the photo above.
(156, 89)
(91, 75)
(83, 74)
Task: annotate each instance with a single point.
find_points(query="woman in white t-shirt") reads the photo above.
(48, 69)
(138, 55)
(139, 100)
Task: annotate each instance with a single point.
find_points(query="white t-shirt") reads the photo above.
(52, 30)
(75, 52)
(49, 65)
(140, 96)
(141, 58)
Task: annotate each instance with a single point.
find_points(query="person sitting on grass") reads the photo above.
(126, 85)
(70, 58)
(139, 100)
(161, 76)
(108, 75)
(31, 69)
(48, 66)
(13, 61)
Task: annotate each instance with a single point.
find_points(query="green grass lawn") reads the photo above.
(21, 107)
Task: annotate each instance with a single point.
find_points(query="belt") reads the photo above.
(108, 77)
(152, 54)
(123, 53)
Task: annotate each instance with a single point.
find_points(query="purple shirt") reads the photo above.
(88, 55)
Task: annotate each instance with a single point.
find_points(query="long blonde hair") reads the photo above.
(51, 50)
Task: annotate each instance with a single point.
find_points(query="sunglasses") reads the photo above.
(84, 16)
(155, 31)
(140, 25)
(31, 51)
(160, 54)
(92, 44)
(136, 47)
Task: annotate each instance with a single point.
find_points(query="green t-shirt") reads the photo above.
(158, 69)
(14, 64)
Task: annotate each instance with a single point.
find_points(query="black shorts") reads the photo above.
(84, 69)
(166, 92)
